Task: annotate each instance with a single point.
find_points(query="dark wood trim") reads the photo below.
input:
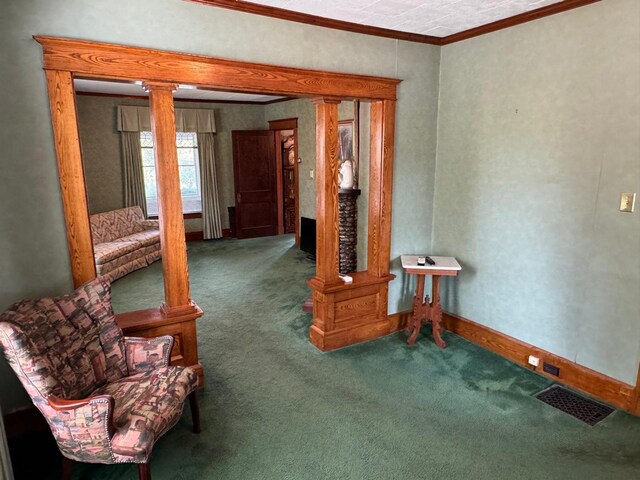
(178, 100)
(279, 186)
(635, 403)
(577, 376)
(194, 236)
(119, 62)
(283, 124)
(186, 216)
(282, 14)
(296, 179)
(516, 20)
(598, 385)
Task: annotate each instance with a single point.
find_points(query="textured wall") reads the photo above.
(33, 252)
(539, 132)
(305, 112)
(102, 154)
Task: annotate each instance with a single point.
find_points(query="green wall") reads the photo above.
(539, 133)
(33, 253)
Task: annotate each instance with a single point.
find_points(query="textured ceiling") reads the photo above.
(117, 88)
(438, 18)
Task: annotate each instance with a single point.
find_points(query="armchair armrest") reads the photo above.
(96, 412)
(143, 354)
(151, 224)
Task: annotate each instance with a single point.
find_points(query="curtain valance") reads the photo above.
(138, 119)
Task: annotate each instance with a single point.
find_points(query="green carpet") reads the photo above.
(275, 407)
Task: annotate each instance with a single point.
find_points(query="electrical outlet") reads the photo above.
(552, 369)
(627, 202)
(534, 361)
(310, 173)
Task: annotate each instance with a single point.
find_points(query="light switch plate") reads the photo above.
(310, 173)
(627, 202)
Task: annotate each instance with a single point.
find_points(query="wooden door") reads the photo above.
(254, 171)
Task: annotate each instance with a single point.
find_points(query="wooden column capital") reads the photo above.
(325, 100)
(152, 85)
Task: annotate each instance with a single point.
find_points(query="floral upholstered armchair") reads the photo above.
(106, 397)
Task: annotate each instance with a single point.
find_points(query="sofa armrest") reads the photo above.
(144, 354)
(88, 418)
(151, 224)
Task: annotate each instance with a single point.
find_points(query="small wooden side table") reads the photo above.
(425, 311)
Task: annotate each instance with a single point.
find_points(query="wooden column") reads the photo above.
(380, 186)
(177, 299)
(327, 236)
(64, 120)
(177, 315)
(347, 313)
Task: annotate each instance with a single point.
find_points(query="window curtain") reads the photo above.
(132, 171)
(132, 120)
(211, 223)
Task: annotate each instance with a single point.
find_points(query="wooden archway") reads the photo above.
(343, 313)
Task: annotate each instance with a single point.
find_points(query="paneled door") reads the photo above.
(254, 171)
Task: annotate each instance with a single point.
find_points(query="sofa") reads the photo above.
(123, 241)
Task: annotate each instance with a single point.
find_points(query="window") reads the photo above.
(188, 164)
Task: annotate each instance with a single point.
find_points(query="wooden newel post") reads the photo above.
(172, 237)
(327, 235)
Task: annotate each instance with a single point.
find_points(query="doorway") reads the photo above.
(288, 185)
(265, 169)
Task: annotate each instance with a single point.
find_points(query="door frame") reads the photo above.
(280, 125)
(364, 300)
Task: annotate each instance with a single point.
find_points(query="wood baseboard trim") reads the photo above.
(397, 321)
(596, 384)
(194, 236)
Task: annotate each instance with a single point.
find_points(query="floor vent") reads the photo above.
(585, 409)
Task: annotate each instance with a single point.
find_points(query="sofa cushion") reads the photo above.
(146, 405)
(107, 252)
(146, 238)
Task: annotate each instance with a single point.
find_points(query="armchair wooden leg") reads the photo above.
(67, 468)
(195, 411)
(144, 471)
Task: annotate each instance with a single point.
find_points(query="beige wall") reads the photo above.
(539, 133)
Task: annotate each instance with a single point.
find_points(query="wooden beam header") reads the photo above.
(119, 62)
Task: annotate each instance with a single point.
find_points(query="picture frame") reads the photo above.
(348, 142)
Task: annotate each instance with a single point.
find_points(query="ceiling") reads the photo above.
(438, 18)
(184, 92)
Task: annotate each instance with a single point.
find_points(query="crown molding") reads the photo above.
(283, 14)
(516, 20)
